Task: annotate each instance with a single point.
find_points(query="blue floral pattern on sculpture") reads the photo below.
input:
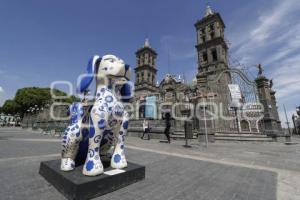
(89, 165)
(76, 112)
(102, 123)
(92, 129)
(125, 125)
(97, 138)
(78, 134)
(91, 152)
(109, 99)
(117, 158)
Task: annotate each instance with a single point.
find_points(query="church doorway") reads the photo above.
(245, 126)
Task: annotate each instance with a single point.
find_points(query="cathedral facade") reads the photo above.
(209, 95)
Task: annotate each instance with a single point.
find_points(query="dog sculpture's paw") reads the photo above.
(93, 168)
(118, 161)
(67, 164)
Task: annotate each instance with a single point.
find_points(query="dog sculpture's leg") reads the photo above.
(93, 165)
(118, 160)
(70, 144)
(107, 145)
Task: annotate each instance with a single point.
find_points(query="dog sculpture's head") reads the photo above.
(108, 66)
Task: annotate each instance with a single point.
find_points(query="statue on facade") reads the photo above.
(271, 83)
(260, 69)
(103, 139)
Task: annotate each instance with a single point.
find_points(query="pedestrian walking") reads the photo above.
(168, 126)
(146, 129)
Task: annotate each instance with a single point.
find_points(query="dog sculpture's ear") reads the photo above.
(126, 89)
(92, 68)
(126, 92)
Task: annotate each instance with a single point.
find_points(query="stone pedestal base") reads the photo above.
(74, 185)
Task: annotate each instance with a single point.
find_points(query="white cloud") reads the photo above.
(273, 19)
(275, 26)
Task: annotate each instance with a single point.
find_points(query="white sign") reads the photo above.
(235, 91)
(114, 172)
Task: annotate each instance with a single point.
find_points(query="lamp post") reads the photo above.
(32, 117)
(287, 121)
(17, 119)
(235, 105)
(188, 132)
(294, 117)
(205, 123)
(297, 120)
(27, 116)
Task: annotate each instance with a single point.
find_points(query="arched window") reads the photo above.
(204, 57)
(214, 54)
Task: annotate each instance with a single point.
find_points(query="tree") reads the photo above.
(31, 96)
(10, 107)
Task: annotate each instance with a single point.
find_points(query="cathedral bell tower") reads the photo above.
(212, 51)
(211, 47)
(145, 71)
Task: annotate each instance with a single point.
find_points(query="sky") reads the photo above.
(44, 41)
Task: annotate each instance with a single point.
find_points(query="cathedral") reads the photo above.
(209, 94)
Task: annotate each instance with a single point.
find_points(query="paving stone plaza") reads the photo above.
(150, 100)
(223, 171)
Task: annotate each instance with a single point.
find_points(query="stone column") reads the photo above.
(274, 105)
(266, 98)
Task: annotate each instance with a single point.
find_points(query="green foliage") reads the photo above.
(10, 107)
(28, 97)
(31, 96)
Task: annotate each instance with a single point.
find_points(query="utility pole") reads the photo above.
(294, 123)
(287, 120)
(205, 124)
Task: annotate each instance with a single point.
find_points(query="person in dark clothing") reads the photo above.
(168, 126)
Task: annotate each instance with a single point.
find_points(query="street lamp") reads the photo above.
(235, 105)
(294, 117)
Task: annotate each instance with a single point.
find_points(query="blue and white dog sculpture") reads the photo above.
(108, 119)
